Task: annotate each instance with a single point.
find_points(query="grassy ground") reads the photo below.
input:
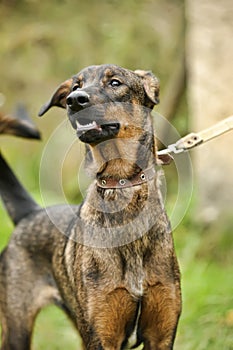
(207, 317)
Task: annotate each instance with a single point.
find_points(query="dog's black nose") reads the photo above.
(77, 99)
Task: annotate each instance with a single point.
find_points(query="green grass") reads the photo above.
(205, 254)
(207, 306)
(53, 331)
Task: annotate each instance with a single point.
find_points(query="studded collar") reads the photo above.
(138, 179)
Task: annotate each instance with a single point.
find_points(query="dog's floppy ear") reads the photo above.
(59, 97)
(151, 85)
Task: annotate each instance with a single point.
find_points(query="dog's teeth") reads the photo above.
(85, 127)
(78, 125)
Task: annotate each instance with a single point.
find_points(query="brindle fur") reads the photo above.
(113, 274)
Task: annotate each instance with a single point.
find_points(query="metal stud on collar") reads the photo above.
(122, 182)
(103, 182)
(143, 177)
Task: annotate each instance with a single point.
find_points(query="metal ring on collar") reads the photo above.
(143, 177)
(122, 182)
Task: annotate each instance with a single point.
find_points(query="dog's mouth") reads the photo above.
(93, 132)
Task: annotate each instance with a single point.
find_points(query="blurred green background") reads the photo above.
(44, 43)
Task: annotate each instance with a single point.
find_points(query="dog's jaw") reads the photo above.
(93, 133)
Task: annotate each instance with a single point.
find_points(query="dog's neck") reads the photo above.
(120, 158)
(121, 214)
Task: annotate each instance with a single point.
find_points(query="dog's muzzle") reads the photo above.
(89, 120)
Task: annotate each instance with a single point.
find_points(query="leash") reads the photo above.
(195, 139)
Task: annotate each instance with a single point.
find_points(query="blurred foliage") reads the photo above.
(44, 43)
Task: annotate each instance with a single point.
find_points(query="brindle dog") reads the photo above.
(110, 262)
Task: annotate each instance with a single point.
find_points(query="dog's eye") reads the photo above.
(76, 86)
(115, 82)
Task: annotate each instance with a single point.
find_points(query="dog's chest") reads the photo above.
(134, 278)
(135, 268)
(122, 267)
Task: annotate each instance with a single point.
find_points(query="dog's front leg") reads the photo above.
(160, 313)
(112, 318)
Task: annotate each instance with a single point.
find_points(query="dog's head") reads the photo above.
(100, 99)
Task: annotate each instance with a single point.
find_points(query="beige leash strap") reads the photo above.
(195, 139)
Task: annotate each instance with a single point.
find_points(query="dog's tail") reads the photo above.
(19, 125)
(15, 198)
